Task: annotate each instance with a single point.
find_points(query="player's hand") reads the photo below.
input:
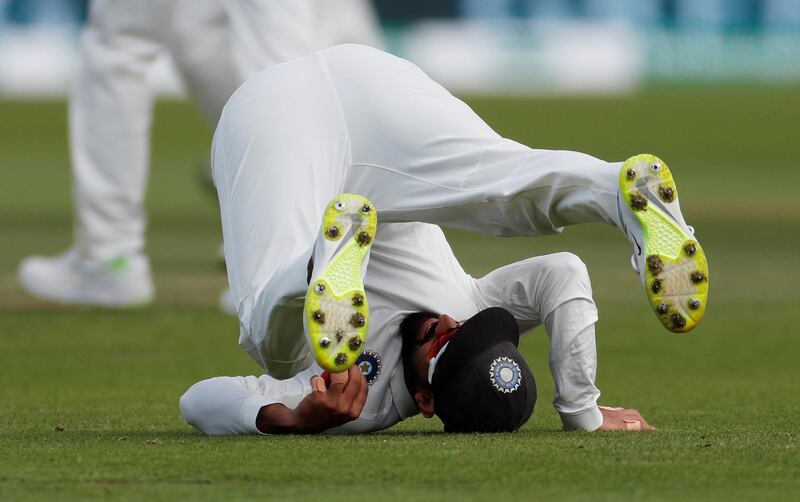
(328, 407)
(623, 419)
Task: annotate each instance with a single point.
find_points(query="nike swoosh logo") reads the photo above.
(638, 246)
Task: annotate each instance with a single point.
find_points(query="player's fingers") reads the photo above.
(339, 378)
(353, 385)
(632, 425)
(318, 384)
(361, 398)
(638, 417)
(646, 426)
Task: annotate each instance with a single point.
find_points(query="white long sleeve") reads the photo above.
(573, 363)
(230, 405)
(555, 290)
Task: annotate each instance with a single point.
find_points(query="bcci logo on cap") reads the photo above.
(505, 374)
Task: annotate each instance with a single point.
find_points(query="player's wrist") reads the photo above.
(589, 419)
(277, 419)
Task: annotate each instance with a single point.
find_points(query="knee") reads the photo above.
(568, 267)
(566, 279)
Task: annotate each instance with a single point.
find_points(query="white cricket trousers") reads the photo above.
(216, 45)
(356, 119)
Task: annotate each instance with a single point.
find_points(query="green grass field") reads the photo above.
(89, 398)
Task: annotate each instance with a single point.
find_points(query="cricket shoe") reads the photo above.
(70, 279)
(336, 314)
(667, 256)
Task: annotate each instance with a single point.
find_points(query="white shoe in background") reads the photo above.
(67, 278)
(225, 302)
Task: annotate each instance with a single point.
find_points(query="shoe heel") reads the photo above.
(677, 287)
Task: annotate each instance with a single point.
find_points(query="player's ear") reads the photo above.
(424, 399)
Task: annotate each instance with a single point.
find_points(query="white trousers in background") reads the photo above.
(355, 119)
(215, 44)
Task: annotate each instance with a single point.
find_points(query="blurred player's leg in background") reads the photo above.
(265, 33)
(347, 21)
(199, 43)
(110, 114)
(216, 45)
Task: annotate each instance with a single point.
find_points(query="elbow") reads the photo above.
(191, 405)
(214, 406)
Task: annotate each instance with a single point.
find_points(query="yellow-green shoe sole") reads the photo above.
(676, 268)
(336, 308)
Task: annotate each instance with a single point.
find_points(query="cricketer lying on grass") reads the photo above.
(352, 119)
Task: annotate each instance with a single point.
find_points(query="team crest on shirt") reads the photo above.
(369, 362)
(505, 374)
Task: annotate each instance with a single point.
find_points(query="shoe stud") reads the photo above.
(694, 304)
(662, 308)
(630, 174)
(655, 167)
(324, 342)
(318, 316)
(339, 335)
(678, 321)
(333, 232)
(654, 264)
(638, 201)
(358, 320)
(366, 208)
(319, 288)
(667, 194)
(339, 205)
(358, 300)
(341, 358)
(655, 287)
(364, 238)
(697, 277)
(690, 249)
(354, 343)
